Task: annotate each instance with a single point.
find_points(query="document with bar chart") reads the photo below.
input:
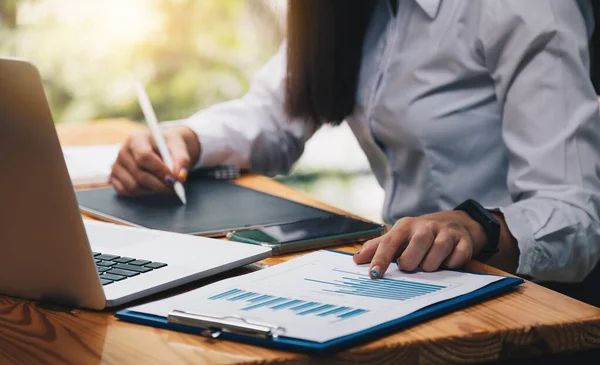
(321, 296)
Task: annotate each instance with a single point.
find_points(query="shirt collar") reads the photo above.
(430, 7)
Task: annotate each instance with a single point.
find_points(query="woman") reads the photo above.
(450, 100)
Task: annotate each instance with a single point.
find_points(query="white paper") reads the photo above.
(90, 165)
(349, 300)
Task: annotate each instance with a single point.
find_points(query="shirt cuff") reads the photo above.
(211, 150)
(531, 260)
(215, 144)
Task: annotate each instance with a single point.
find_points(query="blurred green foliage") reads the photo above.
(189, 53)
(8, 13)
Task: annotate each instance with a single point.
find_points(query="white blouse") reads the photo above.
(489, 100)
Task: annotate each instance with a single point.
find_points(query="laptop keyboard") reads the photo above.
(113, 268)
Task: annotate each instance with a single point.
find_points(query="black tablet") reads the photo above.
(214, 208)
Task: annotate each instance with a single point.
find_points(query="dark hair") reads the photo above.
(324, 51)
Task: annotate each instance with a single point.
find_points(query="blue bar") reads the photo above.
(398, 283)
(378, 294)
(334, 311)
(225, 294)
(381, 296)
(355, 312)
(367, 287)
(387, 284)
(360, 294)
(260, 298)
(392, 289)
(242, 296)
(287, 304)
(373, 295)
(372, 284)
(364, 276)
(380, 284)
(408, 282)
(317, 309)
(384, 289)
(264, 304)
(388, 290)
(403, 284)
(302, 306)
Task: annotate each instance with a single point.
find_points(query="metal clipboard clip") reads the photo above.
(215, 326)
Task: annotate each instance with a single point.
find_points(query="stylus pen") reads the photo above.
(158, 137)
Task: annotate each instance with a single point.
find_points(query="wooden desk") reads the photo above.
(532, 321)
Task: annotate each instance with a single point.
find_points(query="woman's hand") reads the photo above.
(445, 239)
(139, 169)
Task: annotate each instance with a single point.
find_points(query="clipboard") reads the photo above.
(273, 336)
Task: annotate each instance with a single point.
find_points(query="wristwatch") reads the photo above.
(489, 223)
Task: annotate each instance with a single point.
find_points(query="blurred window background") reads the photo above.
(191, 54)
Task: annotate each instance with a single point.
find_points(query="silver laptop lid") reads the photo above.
(44, 251)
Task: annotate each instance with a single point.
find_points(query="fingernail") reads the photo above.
(170, 180)
(357, 252)
(183, 174)
(375, 272)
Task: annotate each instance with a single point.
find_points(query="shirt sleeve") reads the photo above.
(253, 132)
(536, 52)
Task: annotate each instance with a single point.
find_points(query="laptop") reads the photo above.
(47, 251)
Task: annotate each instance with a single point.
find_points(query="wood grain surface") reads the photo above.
(531, 321)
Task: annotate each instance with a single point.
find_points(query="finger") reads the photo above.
(442, 247)
(461, 254)
(129, 184)
(390, 246)
(420, 242)
(146, 158)
(151, 183)
(118, 186)
(181, 157)
(144, 178)
(366, 253)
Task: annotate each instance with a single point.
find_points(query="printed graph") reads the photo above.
(361, 285)
(254, 301)
(356, 285)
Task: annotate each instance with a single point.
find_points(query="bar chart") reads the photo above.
(254, 301)
(351, 283)
(335, 282)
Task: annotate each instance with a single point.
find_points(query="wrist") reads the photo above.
(476, 231)
(486, 246)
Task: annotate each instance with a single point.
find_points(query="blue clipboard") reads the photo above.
(375, 332)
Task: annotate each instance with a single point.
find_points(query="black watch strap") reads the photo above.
(489, 223)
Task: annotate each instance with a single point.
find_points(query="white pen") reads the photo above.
(158, 137)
